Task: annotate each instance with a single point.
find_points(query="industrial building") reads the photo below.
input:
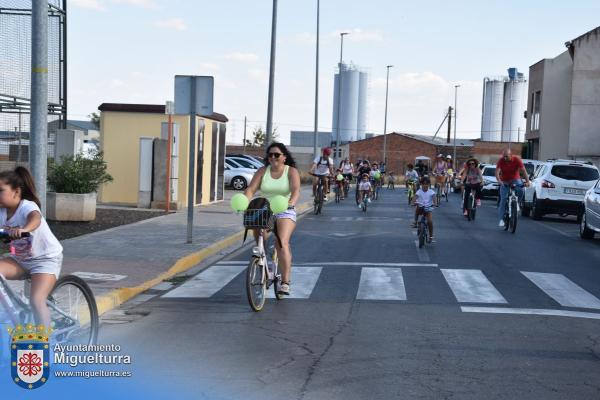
(503, 107)
(353, 106)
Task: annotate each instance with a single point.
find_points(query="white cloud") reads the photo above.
(116, 83)
(360, 35)
(177, 24)
(242, 57)
(305, 38)
(211, 67)
(90, 4)
(259, 74)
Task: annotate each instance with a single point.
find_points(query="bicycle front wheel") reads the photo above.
(513, 217)
(421, 235)
(256, 283)
(73, 311)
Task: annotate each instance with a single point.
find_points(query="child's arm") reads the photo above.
(34, 219)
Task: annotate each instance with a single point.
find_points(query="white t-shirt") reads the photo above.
(41, 244)
(364, 185)
(347, 168)
(322, 168)
(425, 199)
(412, 175)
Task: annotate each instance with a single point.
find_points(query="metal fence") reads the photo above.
(15, 78)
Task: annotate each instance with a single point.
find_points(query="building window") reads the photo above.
(535, 114)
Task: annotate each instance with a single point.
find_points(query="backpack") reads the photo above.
(321, 159)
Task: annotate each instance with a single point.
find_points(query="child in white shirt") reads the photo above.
(364, 188)
(425, 200)
(39, 254)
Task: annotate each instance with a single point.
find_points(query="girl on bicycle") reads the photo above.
(425, 199)
(339, 182)
(472, 176)
(279, 177)
(38, 255)
(365, 188)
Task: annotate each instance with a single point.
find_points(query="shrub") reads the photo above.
(79, 174)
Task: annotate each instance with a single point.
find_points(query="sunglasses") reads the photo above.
(275, 155)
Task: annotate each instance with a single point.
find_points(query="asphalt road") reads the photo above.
(482, 313)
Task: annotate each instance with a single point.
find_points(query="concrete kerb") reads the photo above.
(113, 299)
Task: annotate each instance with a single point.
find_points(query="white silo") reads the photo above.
(361, 126)
(515, 104)
(350, 105)
(491, 120)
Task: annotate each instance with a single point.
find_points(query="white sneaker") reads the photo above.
(360, 206)
(501, 224)
(325, 198)
(284, 289)
(368, 200)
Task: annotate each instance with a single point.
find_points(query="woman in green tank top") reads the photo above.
(279, 177)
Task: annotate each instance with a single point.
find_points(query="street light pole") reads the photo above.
(387, 81)
(269, 132)
(455, 117)
(337, 136)
(317, 87)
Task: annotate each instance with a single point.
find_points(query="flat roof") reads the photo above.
(150, 108)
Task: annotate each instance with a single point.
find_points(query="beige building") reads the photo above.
(127, 129)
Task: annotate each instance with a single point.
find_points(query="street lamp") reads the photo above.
(337, 138)
(317, 87)
(269, 132)
(455, 117)
(387, 81)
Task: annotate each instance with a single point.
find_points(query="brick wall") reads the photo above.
(490, 152)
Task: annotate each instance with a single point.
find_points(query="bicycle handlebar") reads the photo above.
(4, 234)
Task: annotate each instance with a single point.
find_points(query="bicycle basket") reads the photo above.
(259, 215)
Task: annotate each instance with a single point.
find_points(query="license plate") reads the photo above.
(574, 191)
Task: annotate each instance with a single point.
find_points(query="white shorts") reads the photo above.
(41, 265)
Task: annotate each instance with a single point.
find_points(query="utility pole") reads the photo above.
(315, 154)
(449, 123)
(455, 118)
(269, 133)
(387, 81)
(245, 126)
(38, 131)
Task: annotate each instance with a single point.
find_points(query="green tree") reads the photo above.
(259, 136)
(95, 119)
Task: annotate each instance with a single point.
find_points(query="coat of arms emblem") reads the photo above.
(30, 360)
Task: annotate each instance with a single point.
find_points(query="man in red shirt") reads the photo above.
(509, 169)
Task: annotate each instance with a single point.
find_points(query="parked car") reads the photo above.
(532, 166)
(236, 176)
(590, 217)
(490, 183)
(246, 162)
(248, 156)
(558, 187)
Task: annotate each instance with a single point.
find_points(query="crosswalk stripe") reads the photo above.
(531, 311)
(381, 284)
(563, 290)
(471, 286)
(207, 283)
(303, 282)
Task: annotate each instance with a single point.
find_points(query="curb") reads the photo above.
(113, 299)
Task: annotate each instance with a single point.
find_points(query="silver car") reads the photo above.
(590, 218)
(236, 176)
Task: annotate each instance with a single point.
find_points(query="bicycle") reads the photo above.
(346, 187)
(447, 186)
(319, 194)
(511, 209)
(337, 191)
(471, 204)
(73, 310)
(376, 187)
(364, 202)
(263, 268)
(422, 228)
(410, 191)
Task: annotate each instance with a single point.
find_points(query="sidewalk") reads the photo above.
(121, 262)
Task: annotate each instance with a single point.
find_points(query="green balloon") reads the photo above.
(377, 175)
(239, 202)
(278, 204)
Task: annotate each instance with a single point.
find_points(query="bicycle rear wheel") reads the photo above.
(421, 235)
(256, 283)
(318, 200)
(513, 217)
(73, 311)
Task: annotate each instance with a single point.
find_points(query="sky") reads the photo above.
(128, 51)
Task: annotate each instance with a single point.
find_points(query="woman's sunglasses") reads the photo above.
(275, 155)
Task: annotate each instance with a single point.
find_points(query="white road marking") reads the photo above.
(531, 311)
(99, 277)
(471, 286)
(302, 283)
(422, 252)
(563, 290)
(207, 283)
(381, 284)
(366, 264)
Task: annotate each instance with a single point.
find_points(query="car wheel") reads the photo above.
(239, 183)
(584, 231)
(536, 209)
